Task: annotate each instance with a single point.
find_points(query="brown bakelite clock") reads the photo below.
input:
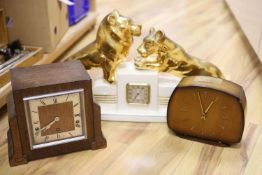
(51, 112)
(207, 108)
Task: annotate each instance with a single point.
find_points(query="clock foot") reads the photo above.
(15, 158)
(201, 140)
(15, 152)
(99, 139)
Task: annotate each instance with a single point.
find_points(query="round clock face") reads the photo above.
(55, 118)
(138, 93)
(206, 113)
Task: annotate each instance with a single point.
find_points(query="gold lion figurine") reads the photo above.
(113, 41)
(162, 54)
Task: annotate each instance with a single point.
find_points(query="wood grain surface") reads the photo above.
(249, 14)
(206, 29)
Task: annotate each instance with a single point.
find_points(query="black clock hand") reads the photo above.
(137, 94)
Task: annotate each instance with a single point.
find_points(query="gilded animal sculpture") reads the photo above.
(160, 53)
(113, 41)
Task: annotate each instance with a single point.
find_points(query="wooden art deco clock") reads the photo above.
(51, 112)
(208, 108)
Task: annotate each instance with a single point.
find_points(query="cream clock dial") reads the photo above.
(138, 93)
(55, 118)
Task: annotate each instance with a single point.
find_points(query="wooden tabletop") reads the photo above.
(207, 30)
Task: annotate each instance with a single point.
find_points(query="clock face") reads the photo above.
(206, 113)
(138, 93)
(55, 118)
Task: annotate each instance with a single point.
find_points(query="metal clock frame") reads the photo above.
(57, 142)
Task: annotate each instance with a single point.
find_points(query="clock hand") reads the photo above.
(203, 116)
(56, 119)
(210, 105)
(137, 94)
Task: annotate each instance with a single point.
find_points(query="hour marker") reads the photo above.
(202, 131)
(67, 97)
(224, 107)
(57, 135)
(186, 119)
(43, 103)
(34, 112)
(205, 95)
(70, 134)
(222, 127)
(183, 109)
(75, 104)
(55, 100)
(46, 138)
(77, 115)
(36, 122)
(37, 132)
(194, 95)
(224, 117)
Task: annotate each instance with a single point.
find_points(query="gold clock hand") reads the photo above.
(203, 116)
(210, 105)
(56, 119)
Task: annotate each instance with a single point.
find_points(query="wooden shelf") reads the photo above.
(3, 31)
(71, 37)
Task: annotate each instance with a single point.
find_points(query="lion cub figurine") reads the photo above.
(113, 41)
(162, 54)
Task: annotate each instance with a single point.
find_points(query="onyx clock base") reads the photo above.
(138, 95)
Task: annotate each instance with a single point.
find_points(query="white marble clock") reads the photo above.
(138, 95)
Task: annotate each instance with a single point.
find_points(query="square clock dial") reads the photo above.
(138, 93)
(55, 118)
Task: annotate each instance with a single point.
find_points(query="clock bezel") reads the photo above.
(138, 84)
(33, 154)
(34, 146)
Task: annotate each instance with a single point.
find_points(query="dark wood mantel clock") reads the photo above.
(51, 112)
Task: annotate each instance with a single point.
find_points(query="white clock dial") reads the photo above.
(55, 118)
(138, 93)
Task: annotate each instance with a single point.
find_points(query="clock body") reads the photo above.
(207, 108)
(51, 112)
(137, 95)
